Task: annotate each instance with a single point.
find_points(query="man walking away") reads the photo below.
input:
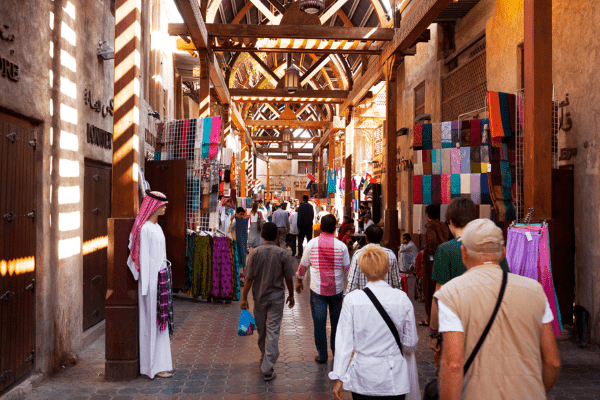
(266, 269)
(282, 219)
(356, 279)
(329, 261)
(448, 263)
(306, 216)
(294, 231)
(519, 358)
(408, 253)
(436, 233)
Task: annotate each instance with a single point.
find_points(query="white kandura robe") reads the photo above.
(155, 345)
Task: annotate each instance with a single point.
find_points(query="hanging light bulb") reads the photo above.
(312, 6)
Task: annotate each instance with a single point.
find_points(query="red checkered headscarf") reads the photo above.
(152, 202)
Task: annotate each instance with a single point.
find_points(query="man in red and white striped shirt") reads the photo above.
(329, 261)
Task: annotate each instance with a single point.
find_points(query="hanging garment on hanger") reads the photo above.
(206, 129)
(221, 278)
(215, 137)
(522, 250)
(236, 268)
(202, 267)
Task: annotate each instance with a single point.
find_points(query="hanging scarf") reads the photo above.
(152, 202)
(164, 307)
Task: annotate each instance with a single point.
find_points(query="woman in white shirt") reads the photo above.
(378, 367)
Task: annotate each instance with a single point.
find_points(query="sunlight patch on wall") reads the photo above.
(68, 114)
(96, 244)
(69, 141)
(69, 247)
(17, 266)
(68, 61)
(68, 195)
(68, 168)
(69, 221)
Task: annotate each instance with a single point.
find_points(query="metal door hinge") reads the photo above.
(7, 296)
(97, 177)
(31, 286)
(33, 143)
(97, 279)
(10, 217)
(13, 137)
(31, 214)
(5, 375)
(96, 211)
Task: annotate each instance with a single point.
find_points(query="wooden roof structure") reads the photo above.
(341, 53)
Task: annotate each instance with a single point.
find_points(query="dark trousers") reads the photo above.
(303, 234)
(293, 240)
(356, 396)
(428, 286)
(318, 307)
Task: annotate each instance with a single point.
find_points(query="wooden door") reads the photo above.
(17, 248)
(169, 177)
(96, 211)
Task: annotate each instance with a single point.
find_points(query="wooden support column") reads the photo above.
(538, 110)
(204, 90)
(348, 186)
(122, 331)
(243, 187)
(225, 123)
(268, 195)
(178, 97)
(390, 215)
(331, 154)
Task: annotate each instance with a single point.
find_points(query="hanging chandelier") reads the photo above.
(312, 6)
(292, 79)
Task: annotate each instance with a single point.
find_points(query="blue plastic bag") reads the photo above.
(247, 325)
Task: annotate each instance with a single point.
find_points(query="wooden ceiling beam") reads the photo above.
(266, 12)
(267, 150)
(272, 76)
(241, 14)
(280, 95)
(328, 13)
(267, 139)
(229, 48)
(296, 124)
(297, 32)
(312, 71)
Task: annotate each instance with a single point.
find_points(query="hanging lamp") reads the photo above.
(312, 6)
(292, 76)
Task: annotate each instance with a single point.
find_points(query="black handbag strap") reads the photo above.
(385, 317)
(489, 324)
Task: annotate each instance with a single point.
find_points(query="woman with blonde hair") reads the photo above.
(378, 325)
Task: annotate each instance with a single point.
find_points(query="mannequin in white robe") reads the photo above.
(155, 345)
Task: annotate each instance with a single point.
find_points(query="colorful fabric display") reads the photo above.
(485, 211)
(446, 135)
(206, 130)
(436, 189)
(215, 137)
(502, 111)
(475, 160)
(485, 155)
(454, 185)
(427, 137)
(465, 185)
(484, 189)
(436, 161)
(476, 188)
(445, 189)
(465, 134)
(465, 160)
(522, 252)
(456, 127)
(545, 275)
(475, 132)
(418, 163)
(427, 189)
(455, 160)
(427, 168)
(418, 189)
(446, 161)
(418, 137)
(436, 136)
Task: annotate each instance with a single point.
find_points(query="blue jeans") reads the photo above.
(318, 307)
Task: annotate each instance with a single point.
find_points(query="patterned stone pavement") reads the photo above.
(212, 362)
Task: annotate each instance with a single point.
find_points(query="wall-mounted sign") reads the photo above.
(98, 106)
(99, 137)
(9, 70)
(4, 35)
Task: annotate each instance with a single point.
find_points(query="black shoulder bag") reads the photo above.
(385, 317)
(431, 389)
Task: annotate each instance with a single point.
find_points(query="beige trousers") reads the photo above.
(268, 316)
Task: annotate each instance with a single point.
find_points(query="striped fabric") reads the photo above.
(446, 161)
(446, 135)
(427, 189)
(329, 262)
(445, 189)
(436, 162)
(436, 136)
(455, 160)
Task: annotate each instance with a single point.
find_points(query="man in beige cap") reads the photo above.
(519, 358)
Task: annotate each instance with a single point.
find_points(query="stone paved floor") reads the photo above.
(212, 362)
